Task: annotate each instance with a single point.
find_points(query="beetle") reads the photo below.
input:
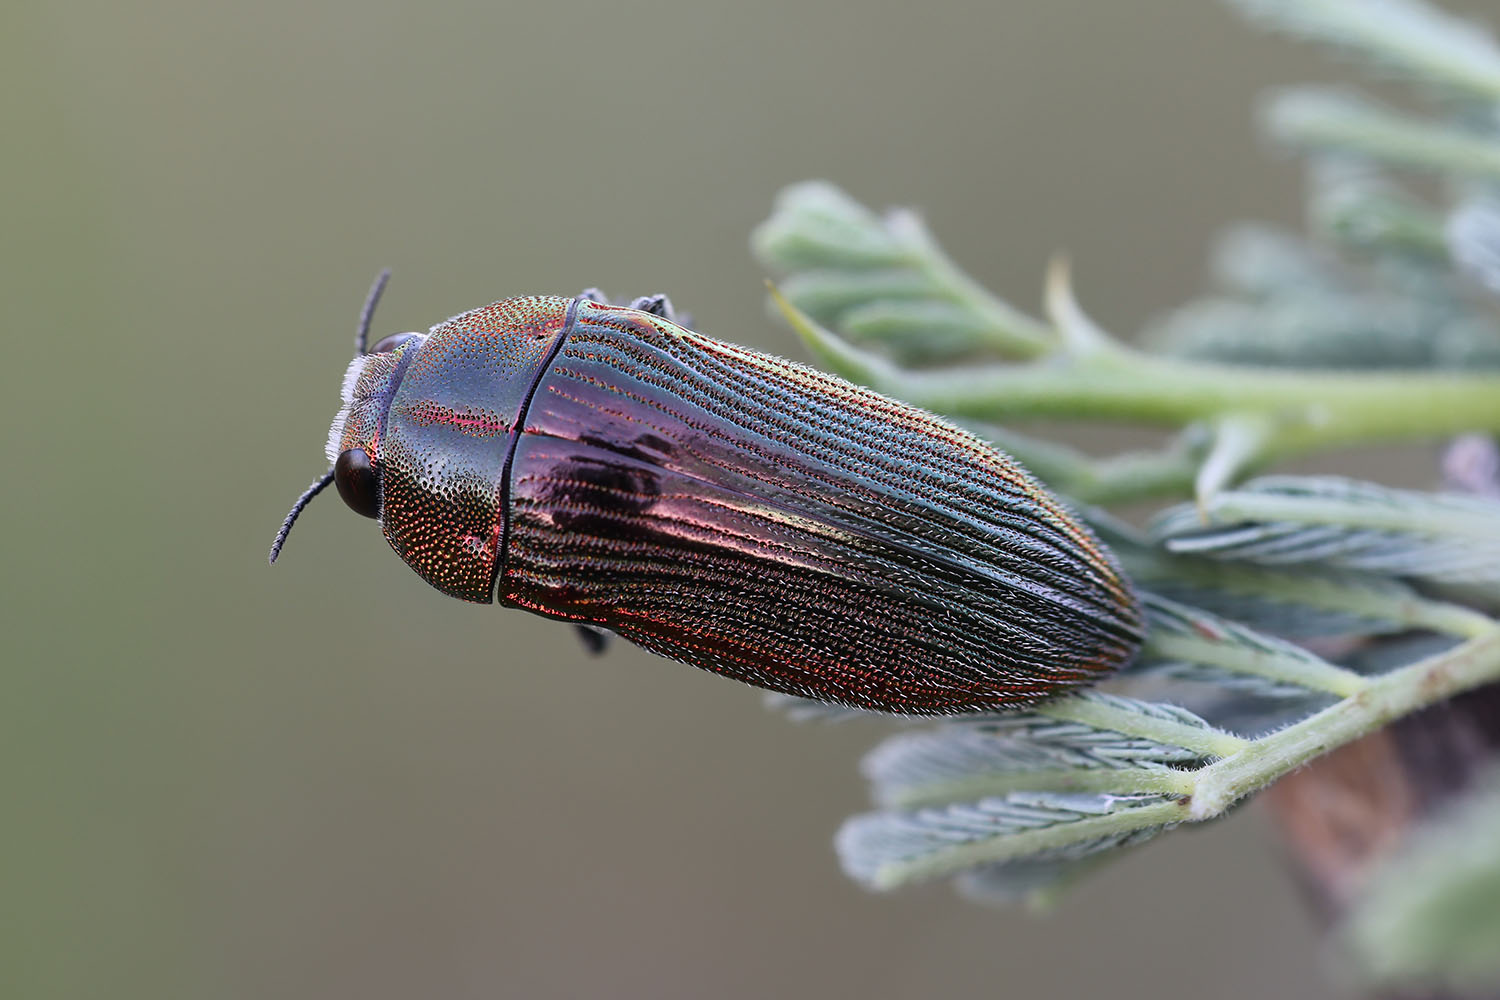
(603, 465)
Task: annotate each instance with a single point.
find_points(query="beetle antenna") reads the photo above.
(361, 347)
(362, 336)
(297, 508)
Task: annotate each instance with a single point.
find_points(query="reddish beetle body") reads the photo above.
(725, 508)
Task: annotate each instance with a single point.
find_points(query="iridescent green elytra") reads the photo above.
(725, 508)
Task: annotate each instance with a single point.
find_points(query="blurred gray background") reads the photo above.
(327, 780)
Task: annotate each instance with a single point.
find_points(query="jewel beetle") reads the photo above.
(603, 465)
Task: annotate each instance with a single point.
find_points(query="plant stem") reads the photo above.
(1320, 119)
(1305, 410)
(1310, 674)
(1452, 619)
(1119, 780)
(1102, 715)
(1478, 525)
(1246, 765)
(1028, 842)
(1010, 330)
(1132, 475)
(1397, 607)
(1383, 698)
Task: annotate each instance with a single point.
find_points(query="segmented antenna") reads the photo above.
(291, 518)
(361, 347)
(362, 336)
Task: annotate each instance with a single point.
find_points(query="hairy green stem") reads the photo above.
(1102, 715)
(1245, 766)
(1397, 607)
(1323, 120)
(1133, 475)
(1303, 411)
(1028, 842)
(1450, 619)
(1306, 409)
(1118, 780)
(1254, 507)
(1417, 40)
(1383, 699)
(1013, 332)
(1239, 440)
(1311, 674)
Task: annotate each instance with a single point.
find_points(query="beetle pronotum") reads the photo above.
(754, 517)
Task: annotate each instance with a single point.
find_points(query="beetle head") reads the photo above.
(423, 438)
(355, 440)
(371, 377)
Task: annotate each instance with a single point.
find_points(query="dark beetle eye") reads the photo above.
(357, 482)
(392, 342)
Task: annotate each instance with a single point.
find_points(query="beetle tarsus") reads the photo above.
(595, 640)
(656, 305)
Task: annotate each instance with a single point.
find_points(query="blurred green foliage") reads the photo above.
(1382, 321)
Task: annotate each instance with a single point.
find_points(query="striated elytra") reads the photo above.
(751, 516)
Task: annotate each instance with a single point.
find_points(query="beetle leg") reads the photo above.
(656, 305)
(595, 639)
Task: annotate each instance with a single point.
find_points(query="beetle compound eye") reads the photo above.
(395, 340)
(358, 485)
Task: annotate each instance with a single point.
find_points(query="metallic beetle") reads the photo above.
(751, 516)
